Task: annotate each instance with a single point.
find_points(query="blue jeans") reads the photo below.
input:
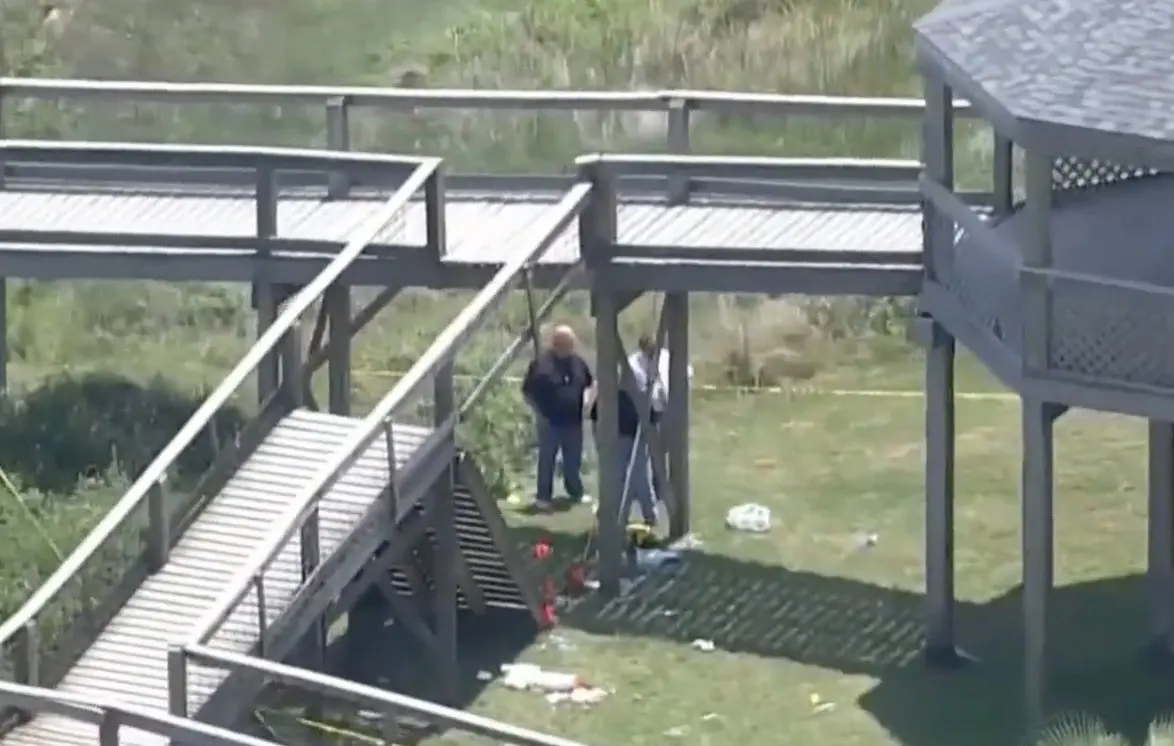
(637, 472)
(552, 440)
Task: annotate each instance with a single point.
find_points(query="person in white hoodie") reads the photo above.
(650, 368)
(646, 372)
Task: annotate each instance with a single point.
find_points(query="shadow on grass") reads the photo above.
(379, 652)
(388, 657)
(1097, 631)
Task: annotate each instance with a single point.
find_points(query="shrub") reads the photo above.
(71, 428)
(500, 431)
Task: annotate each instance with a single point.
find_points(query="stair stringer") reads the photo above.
(318, 597)
(487, 531)
(470, 477)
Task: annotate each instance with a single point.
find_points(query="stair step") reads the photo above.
(490, 564)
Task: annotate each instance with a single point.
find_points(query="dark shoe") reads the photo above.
(540, 507)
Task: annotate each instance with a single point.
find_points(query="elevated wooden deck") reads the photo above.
(178, 232)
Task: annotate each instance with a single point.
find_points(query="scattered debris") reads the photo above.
(558, 687)
(680, 731)
(705, 646)
(527, 676)
(485, 676)
(657, 559)
(558, 642)
(818, 705)
(866, 539)
(749, 517)
(584, 695)
(687, 542)
(626, 585)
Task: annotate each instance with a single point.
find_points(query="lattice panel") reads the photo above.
(1070, 173)
(987, 286)
(1113, 332)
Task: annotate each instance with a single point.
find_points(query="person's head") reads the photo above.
(562, 340)
(647, 345)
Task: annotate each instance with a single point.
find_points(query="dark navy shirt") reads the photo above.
(556, 385)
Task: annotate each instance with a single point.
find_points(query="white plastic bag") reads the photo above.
(535, 678)
(751, 518)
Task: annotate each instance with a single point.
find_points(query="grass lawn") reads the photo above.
(805, 612)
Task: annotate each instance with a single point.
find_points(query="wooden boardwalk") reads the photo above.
(482, 228)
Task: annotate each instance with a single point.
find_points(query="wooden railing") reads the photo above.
(338, 103)
(44, 636)
(389, 706)
(111, 717)
(408, 99)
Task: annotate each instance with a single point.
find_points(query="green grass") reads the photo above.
(806, 612)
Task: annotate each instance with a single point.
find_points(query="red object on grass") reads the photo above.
(549, 617)
(576, 580)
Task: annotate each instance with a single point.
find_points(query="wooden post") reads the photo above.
(159, 524)
(940, 644)
(338, 353)
(597, 236)
(1160, 553)
(338, 137)
(677, 412)
(264, 292)
(1037, 538)
(27, 655)
(446, 567)
(293, 371)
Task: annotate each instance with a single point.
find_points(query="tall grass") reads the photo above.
(789, 46)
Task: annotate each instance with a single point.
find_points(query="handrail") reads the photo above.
(164, 155)
(755, 167)
(409, 98)
(204, 156)
(442, 350)
(110, 716)
(374, 698)
(265, 344)
(1048, 276)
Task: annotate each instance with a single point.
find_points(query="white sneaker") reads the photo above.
(662, 514)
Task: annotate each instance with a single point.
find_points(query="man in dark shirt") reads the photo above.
(637, 466)
(555, 386)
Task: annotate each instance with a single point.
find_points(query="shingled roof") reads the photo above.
(1087, 76)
